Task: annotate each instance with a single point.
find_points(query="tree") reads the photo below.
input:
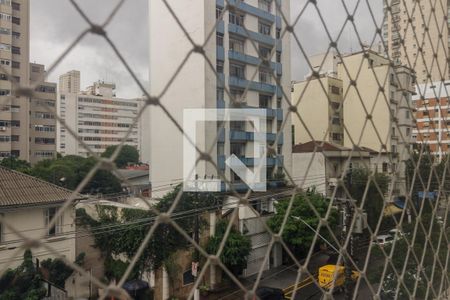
(24, 282)
(16, 164)
(57, 271)
(127, 155)
(236, 249)
(296, 234)
(357, 180)
(70, 170)
(133, 225)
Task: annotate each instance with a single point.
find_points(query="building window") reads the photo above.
(5, 31)
(407, 114)
(15, 50)
(278, 33)
(43, 115)
(44, 141)
(336, 121)
(5, 62)
(219, 66)
(15, 20)
(237, 149)
(336, 136)
(220, 94)
(335, 90)
(265, 101)
(5, 2)
(264, 28)
(5, 47)
(4, 92)
(237, 96)
(236, 18)
(16, 35)
(408, 130)
(264, 75)
(237, 125)
(219, 39)
(269, 127)
(5, 17)
(278, 57)
(384, 167)
(237, 70)
(49, 214)
(218, 13)
(265, 5)
(15, 5)
(237, 45)
(15, 64)
(265, 52)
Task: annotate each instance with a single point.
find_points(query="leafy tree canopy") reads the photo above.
(127, 155)
(295, 233)
(236, 250)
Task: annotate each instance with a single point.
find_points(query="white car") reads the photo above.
(384, 240)
(396, 233)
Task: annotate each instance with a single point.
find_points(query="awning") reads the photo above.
(391, 209)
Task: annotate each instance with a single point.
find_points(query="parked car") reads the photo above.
(384, 240)
(269, 293)
(396, 233)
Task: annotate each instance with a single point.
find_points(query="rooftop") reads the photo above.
(18, 189)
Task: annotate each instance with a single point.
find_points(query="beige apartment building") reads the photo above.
(375, 115)
(322, 95)
(424, 29)
(42, 116)
(14, 58)
(96, 115)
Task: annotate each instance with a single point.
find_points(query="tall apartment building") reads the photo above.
(70, 82)
(14, 58)
(96, 115)
(235, 53)
(433, 117)
(328, 107)
(422, 26)
(319, 102)
(42, 116)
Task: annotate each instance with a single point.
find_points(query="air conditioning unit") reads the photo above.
(2, 128)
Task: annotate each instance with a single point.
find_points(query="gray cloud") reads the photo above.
(55, 24)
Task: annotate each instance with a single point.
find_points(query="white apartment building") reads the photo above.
(241, 35)
(96, 116)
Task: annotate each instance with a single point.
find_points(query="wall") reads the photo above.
(316, 174)
(31, 222)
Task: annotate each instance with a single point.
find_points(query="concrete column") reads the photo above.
(165, 284)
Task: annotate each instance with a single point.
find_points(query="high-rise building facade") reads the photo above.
(423, 28)
(14, 59)
(42, 116)
(335, 111)
(432, 115)
(96, 116)
(241, 36)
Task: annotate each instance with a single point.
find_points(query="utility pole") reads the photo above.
(195, 264)
(345, 230)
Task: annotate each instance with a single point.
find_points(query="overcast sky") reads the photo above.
(55, 24)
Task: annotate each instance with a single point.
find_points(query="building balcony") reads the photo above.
(279, 114)
(252, 85)
(252, 60)
(220, 53)
(220, 80)
(256, 36)
(220, 27)
(251, 161)
(252, 10)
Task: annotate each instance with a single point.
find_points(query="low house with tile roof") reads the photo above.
(28, 204)
(320, 164)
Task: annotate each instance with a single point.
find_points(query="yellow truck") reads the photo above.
(328, 272)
